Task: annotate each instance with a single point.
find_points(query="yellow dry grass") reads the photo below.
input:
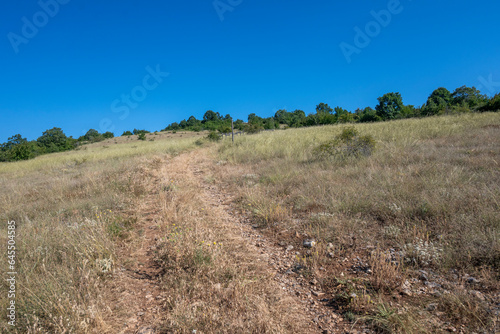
(69, 208)
(431, 191)
(435, 181)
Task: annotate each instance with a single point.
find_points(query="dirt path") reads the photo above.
(280, 262)
(138, 286)
(136, 293)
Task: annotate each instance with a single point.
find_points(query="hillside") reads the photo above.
(180, 234)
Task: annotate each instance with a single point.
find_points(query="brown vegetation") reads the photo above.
(262, 235)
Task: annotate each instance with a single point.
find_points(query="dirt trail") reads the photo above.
(136, 293)
(280, 261)
(137, 285)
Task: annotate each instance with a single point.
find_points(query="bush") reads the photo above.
(141, 136)
(348, 144)
(214, 136)
(108, 135)
(493, 104)
(253, 128)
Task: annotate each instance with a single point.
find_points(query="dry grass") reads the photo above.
(70, 208)
(430, 191)
(463, 308)
(386, 319)
(105, 153)
(214, 282)
(421, 183)
(387, 276)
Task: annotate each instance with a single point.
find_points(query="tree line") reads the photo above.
(390, 106)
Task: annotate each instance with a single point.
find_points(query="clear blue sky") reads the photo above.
(262, 56)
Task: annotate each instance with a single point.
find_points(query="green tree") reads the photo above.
(127, 133)
(137, 131)
(408, 111)
(343, 115)
(369, 115)
(468, 96)
(108, 135)
(23, 151)
(298, 118)
(239, 124)
(54, 140)
(269, 123)
(192, 121)
(211, 116)
(493, 104)
(13, 141)
(323, 108)
(283, 117)
(311, 120)
(17, 148)
(390, 106)
(324, 114)
(439, 100)
(92, 135)
(254, 119)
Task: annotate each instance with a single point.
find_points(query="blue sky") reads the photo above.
(75, 69)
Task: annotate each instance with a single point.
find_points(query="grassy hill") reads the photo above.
(263, 235)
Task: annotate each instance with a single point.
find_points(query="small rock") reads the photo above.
(431, 307)
(140, 314)
(406, 288)
(423, 275)
(353, 295)
(471, 280)
(146, 330)
(314, 282)
(406, 292)
(316, 293)
(309, 243)
(329, 246)
(477, 294)
(331, 255)
(433, 285)
(289, 248)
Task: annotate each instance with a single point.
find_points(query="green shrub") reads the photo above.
(214, 136)
(253, 128)
(141, 136)
(346, 145)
